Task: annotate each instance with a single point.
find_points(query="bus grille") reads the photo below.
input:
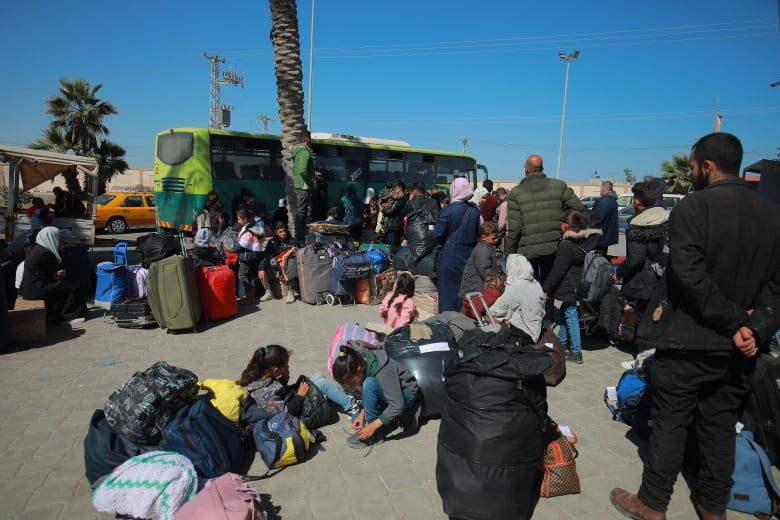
(173, 185)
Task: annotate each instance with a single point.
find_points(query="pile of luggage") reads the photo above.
(165, 289)
(331, 271)
(164, 427)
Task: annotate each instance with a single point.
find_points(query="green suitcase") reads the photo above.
(173, 293)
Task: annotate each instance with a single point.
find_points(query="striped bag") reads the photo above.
(345, 332)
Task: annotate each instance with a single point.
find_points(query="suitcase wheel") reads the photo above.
(330, 299)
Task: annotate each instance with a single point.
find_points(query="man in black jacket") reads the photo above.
(714, 307)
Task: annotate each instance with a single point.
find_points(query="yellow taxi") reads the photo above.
(119, 211)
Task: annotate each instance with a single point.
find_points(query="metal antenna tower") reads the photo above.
(265, 119)
(219, 115)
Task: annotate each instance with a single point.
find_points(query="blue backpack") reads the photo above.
(112, 278)
(282, 440)
(378, 259)
(754, 490)
(210, 440)
(634, 402)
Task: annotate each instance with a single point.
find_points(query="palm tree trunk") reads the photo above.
(289, 84)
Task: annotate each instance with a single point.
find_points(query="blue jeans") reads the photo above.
(375, 402)
(332, 391)
(570, 328)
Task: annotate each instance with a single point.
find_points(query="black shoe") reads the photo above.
(574, 357)
(410, 419)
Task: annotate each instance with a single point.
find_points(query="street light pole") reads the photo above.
(568, 59)
(311, 61)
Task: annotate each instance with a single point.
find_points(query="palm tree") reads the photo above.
(676, 173)
(111, 161)
(289, 83)
(53, 139)
(79, 113)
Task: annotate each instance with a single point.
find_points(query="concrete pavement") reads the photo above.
(51, 390)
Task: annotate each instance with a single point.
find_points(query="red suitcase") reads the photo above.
(217, 288)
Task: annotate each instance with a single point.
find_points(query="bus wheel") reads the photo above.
(117, 225)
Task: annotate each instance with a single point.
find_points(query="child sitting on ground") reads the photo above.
(389, 394)
(494, 287)
(522, 302)
(398, 308)
(266, 378)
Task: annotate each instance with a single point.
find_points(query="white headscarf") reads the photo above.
(49, 237)
(369, 196)
(522, 303)
(478, 194)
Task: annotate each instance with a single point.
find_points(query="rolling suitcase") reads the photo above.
(112, 278)
(217, 288)
(315, 267)
(173, 293)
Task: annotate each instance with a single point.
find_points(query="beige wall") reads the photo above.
(581, 189)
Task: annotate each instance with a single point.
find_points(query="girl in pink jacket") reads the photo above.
(398, 307)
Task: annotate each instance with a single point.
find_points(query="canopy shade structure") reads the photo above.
(768, 171)
(38, 166)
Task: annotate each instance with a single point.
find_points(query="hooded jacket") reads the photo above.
(567, 267)
(522, 303)
(534, 210)
(645, 238)
(394, 378)
(303, 168)
(481, 262)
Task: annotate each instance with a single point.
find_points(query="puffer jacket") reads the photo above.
(645, 239)
(567, 268)
(481, 262)
(534, 210)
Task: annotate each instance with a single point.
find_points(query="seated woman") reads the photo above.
(44, 279)
(522, 303)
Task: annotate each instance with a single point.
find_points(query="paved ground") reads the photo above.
(51, 390)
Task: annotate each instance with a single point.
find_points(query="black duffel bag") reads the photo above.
(154, 246)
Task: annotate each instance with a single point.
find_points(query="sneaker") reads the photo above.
(628, 364)
(355, 443)
(290, 297)
(354, 408)
(574, 357)
(76, 321)
(267, 297)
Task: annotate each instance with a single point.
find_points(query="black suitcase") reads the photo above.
(315, 270)
(761, 409)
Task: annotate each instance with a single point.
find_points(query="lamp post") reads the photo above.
(568, 59)
(311, 62)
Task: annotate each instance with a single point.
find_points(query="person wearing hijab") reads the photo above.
(522, 303)
(457, 230)
(44, 279)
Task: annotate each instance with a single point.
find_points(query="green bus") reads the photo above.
(190, 162)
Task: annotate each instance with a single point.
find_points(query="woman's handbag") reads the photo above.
(548, 342)
(559, 470)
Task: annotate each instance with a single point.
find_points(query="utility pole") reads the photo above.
(464, 141)
(219, 115)
(265, 119)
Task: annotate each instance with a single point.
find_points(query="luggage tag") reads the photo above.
(659, 311)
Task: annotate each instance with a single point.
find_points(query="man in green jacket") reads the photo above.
(534, 210)
(304, 184)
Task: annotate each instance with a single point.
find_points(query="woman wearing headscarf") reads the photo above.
(457, 228)
(522, 302)
(44, 279)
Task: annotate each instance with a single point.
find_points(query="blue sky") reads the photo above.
(431, 73)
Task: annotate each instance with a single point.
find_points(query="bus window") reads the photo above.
(447, 168)
(419, 168)
(173, 149)
(329, 161)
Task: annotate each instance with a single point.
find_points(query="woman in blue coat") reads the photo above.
(458, 229)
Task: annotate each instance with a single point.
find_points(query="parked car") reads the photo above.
(671, 200)
(119, 211)
(624, 215)
(589, 200)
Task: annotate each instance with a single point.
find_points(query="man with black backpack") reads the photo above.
(714, 307)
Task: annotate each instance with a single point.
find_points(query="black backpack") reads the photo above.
(132, 313)
(145, 403)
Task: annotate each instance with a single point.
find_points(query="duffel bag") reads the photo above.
(351, 266)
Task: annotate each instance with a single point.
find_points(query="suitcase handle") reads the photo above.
(493, 326)
(120, 253)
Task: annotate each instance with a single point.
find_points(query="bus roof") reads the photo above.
(332, 138)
